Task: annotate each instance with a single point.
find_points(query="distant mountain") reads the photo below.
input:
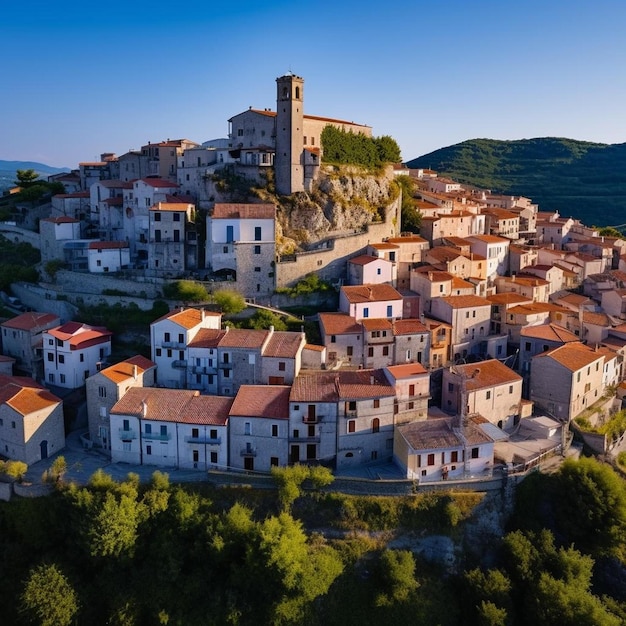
(578, 178)
(8, 170)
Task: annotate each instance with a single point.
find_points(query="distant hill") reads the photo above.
(8, 171)
(578, 178)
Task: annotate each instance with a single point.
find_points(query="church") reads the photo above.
(286, 138)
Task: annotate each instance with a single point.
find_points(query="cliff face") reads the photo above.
(342, 201)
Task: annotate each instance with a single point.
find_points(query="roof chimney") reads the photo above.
(144, 408)
(135, 372)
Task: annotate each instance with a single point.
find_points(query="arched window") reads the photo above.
(375, 425)
(297, 93)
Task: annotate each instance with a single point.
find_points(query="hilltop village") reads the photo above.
(471, 346)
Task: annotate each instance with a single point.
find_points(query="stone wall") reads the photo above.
(135, 285)
(19, 235)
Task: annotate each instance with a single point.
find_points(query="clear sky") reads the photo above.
(82, 78)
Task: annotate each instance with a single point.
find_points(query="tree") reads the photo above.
(395, 573)
(289, 481)
(263, 319)
(610, 231)
(26, 178)
(388, 149)
(230, 301)
(185, 290)
(48, 598)
(411, 218)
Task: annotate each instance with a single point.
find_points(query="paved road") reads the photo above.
(82, 463)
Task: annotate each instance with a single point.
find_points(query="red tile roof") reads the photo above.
(187, 318)
(486, 374)
(370, 293)
(126, 369)
(339, 324)
(462, 302)
(270, 401)
(284, 345)
(108, 245)
(407, 370)
(159, 182)
(223, 210)
(207, 338)
(79, 335)
(573, 356)
(409, 327)
(243, 338)
(32, 321)
(364, 259)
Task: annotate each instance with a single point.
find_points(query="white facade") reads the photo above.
(106, 256)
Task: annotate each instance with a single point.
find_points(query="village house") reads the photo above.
(410, 250)
(412, 340)
(341, 335)
(31, 420)
(553, 274)
(73, 352)
(365, 269)
(541, 338)
(170, 428)
(531, 287)
(566, 380)
(488, 388)
(258, 428)
(374, 300)
(54, 233)
(22, 339)
(411, 382)
(495, 250)
(442, 449)
(172, 239)
(75, 204)
(501, 223)
(531, 314)
(522, 257)
(106, 387)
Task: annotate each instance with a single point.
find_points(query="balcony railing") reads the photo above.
(248, 451)
(180, 364)
(350, 414)
(156, 436)
(225, 366)
(203, 369)
(304, 439)
(307, 419)
(204, 439)
(177, 345)
(128, 434)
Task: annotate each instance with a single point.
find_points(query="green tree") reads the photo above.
(27, 178)
(609, 231)
(411, 218)
(230, 301)
(48, 598)
(14, 469)
(289, 480)
(388, 149)
(395, 574)
(263, 319)
(185, 290)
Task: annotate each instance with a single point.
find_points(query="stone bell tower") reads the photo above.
(288, 160)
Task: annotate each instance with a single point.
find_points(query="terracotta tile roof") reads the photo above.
(33, 321)
(115, 184)
(174, 207)
(459, 283)
(79, 335)
(376, 323)
(107, 245)
(270, 401)
(364, 259)
(60, 220)
(339, 324)
(444, 254)
(528, 281)
(409, 327)
(549, 332)
(126, 369)
(315, 387)
(384, 246)
(243, 338)
(598, 319)
(117, 201)
(509, 297)
(438, 434)
(432, 324)
(173, 405)
(406, 370)
(408, 239)
(284, 344)
(187, 318)
(537, 307)
(370, 293)
(356, 384)
(314, 347)
(462, 302)
(434, 275)
(576, 299)
(25, 395)
(207, 338)
(486, 374)
(223, 210)
(573, 356)
(488, 238)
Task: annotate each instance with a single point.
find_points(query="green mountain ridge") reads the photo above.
(581, 179)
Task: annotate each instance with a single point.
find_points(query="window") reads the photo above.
(274, 430)
(333, 339)
(247, 428)
(62, 377)
(378, 271)
(431, 459)
(375, 425)
(475, 452)
(351, 426)
(385, 350)
(176, 217)
(389, 310)
(50, 378)
(195, 433)
(257, 269)
(527, 346)
(157, 235)
(281, 366)
(157, 217)
(125, 425)
(274, 461)
(213, 457)
(376, 403)
(213, 433)
(166, 337)
(50, 356)
(257, 249)
(349, 350)
(230, 234)
(163, 431)
(510, 388)
(257, 233)
(370, 352)
(148, 450)
(450, 387)
(488, 395)
(366, 312)
(158, 352)
(12, 424)
(195, 456)
(454, 456)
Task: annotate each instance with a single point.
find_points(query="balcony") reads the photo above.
(176, 345)
(350, 414)
(204, 439)
(307, 419)
(127, 434)
(156, 436)
(225, 365)
(180, 364)
(203, 369)
(248, 451)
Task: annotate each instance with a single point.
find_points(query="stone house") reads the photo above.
(54, 233)
(412, 340)
(495, 249)
(488, 388)
(541, 338)
(172, 239)
(411, 382)
(31, 420)
(22, 339)
(106, 387)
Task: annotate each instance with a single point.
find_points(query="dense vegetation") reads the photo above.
(17, 261)
(579, 179)
(343, 147)
(132, 554)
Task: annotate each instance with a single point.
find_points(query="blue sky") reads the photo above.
(77, 82)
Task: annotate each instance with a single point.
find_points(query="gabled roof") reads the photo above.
(463, 302)
(126, 369)
(406, 370)
(573, 356)
(243, 338)
(488, 238)
(376, 323)
(32, 321)
(25, 395)
(339, 324)
(284, 344)
(79, 335)
(549, 332)
(486, 374)
(438, 434)
(187, 318)
(358, 294)
(158, 182)
(358, 384)
(269, 401)
(207, 338)
(365, 259)
(409, 327)
(174, 405)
